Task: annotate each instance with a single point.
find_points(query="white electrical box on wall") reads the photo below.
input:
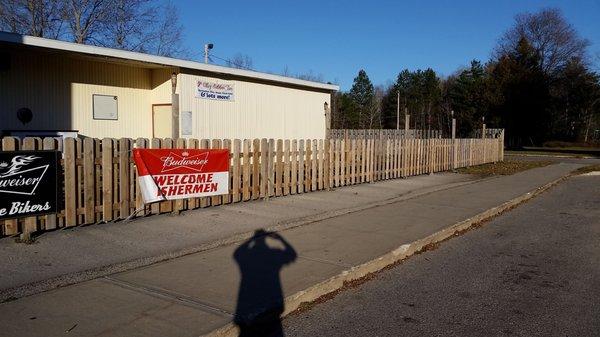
(105, 107)
(186, 123)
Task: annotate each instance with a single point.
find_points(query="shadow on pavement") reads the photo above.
(260, 297)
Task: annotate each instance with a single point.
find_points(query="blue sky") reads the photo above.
(337, 38)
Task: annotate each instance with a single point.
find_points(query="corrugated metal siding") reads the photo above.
(259, 111)
(161, 86)
(59, 91)
(27, 83)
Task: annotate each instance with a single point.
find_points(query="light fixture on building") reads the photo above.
(207, 47)
(173, 81)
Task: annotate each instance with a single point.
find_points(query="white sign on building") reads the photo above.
(214, 90)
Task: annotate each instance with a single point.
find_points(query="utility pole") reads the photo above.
(483, 135)
(454, 143)
(406, 122)
(483, 127)
(398, 112)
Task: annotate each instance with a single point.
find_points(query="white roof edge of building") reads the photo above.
(167, 61)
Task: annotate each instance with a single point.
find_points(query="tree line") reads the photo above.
(147, 26)
(538, 85)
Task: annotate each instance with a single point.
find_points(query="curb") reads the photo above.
(550, 155)
(298, 300)
(33, 288)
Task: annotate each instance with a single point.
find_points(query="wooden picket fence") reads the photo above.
(100, 180)
(383, 133)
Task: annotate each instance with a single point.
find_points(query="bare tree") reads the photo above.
(167, 33)
(307, 76)
(310, 76)
(149, 26)
(40, 18)
(86, 19)
(126, 25)
(240, 61)
(554, 40)
(372, 116)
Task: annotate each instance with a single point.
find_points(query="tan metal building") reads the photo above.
(49, 87)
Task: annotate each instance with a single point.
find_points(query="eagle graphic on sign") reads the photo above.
(15, 164)
(15, 178)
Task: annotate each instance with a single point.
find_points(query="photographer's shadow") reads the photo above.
(260, 297)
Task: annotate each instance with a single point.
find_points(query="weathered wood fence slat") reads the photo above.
(99, 180)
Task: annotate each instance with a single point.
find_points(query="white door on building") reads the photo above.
(161, 121)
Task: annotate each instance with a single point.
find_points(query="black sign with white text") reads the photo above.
(28, 183)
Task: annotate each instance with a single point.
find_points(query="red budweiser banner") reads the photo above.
(167, 174)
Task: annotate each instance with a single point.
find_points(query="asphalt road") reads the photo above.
(534, 271)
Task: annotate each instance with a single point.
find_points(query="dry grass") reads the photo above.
(504, 168)
(546, 154)
(587, 169)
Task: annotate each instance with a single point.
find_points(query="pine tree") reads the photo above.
(362, 95)
(467, 94)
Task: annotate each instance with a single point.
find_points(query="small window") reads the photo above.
(105, 107)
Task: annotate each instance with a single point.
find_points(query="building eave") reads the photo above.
(38, 42)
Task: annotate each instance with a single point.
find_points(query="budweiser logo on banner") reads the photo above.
(168, 174)
(194, 163)
(28, 183)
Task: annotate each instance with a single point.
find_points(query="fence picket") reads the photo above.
(193, 203)
(279, 169)
(246, 169)
(308, 166)
(30, 223)
(49, 143)
(217, 199)
(107, 179)
(353, 161)
(264, 166)
(11, 226)
(314, 163)
(89, 180)
(236, 170)
(179, 204)
(294, 167)
(301, 166)
(271, 168)
(286, 167)
(166, 206)
(70, 184)
(256, 167)
(124, 196)
(321, 162)
(331, 163)
(155, 143)
(337, 162)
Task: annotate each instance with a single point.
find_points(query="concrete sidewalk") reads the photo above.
(78, 254)
(194, 294)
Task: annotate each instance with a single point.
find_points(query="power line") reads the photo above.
(229, 62)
